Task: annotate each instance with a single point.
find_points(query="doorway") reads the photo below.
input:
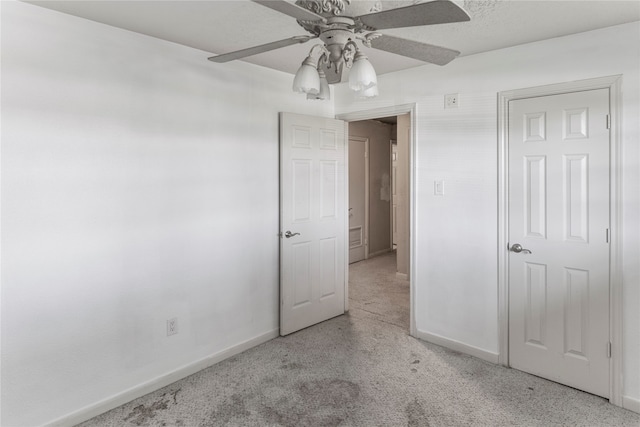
(560, 308)
(388, 127)
(359, 205)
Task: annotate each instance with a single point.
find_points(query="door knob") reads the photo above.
(289, 234)
(517, 248)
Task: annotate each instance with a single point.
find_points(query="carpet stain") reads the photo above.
(142, 413)
(177, 423)
(291, 418)
(480, 371)
(415, 362)
(230, 409)
(318, 403)
(291, 366)
(330, 392)
(281, 418)
(416, 415)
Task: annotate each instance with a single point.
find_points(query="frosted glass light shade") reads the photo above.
(371, 92)
(307, 79)
(325, 92)
(362, 75)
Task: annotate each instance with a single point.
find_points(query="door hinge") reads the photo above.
(609, 349)
(607, 235)
(608, 121)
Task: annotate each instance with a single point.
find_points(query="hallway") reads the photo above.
(363, 369)
(375, 292)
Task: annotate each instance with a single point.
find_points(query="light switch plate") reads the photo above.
(438, 188)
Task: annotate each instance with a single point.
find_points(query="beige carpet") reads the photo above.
(363, 369)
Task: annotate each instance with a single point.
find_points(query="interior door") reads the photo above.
(558, 237)
(313, 220)
(358, 232)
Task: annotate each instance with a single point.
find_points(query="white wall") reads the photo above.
(456, 244)
(139, 183)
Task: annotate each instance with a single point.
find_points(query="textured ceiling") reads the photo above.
(223, 26)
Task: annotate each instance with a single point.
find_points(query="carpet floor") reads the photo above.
(363, 369)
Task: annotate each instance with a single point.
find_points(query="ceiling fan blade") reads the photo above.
(433, 12)
(290, 9)
(416, 50)
(226, 57)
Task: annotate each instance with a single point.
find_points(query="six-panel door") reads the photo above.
(313, 205)
(559, 211)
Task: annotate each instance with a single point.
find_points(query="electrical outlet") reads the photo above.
(172, 326)
(451, 100)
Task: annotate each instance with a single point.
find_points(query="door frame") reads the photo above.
(392, 182)
(613, 84)
(396, 110)
(365, 232)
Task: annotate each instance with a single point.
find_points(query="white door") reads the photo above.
(312, 219)
(558, 237)
(394, 194)
(358, 189)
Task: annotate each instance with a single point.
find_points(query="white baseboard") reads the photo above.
(157, 383)
(458, 346)
(384, 251)
(631, 404)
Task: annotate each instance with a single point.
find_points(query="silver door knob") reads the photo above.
(517, 248)
(289, 234)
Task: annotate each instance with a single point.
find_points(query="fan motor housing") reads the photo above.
(349, 8)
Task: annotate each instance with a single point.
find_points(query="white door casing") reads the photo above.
(394, 194)
(404, 192)
(395, 110)
(313, 204)
(559, 210)
(358, 198)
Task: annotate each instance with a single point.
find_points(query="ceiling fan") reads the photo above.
(339, 24)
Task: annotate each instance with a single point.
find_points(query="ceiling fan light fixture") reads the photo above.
(371, 92)
(339, 24)
(362, 75)
(325, 93)
(307, 79)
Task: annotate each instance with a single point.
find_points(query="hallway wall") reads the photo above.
(379, 135)
(404, 190)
